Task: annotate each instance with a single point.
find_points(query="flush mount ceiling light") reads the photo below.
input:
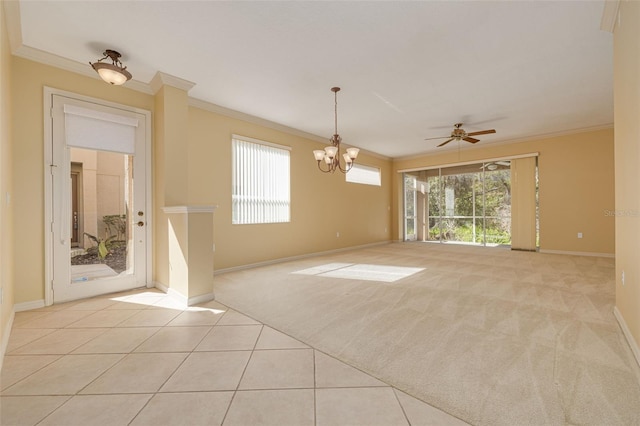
(330, 156)
(113, 73)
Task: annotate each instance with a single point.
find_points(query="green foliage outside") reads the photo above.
(455, 200)
(116, 226)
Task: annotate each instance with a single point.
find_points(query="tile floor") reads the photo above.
(137, 358)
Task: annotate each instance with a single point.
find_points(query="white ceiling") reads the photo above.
(408, 70)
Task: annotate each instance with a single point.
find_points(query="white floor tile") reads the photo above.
(188, 408)
(272, 408)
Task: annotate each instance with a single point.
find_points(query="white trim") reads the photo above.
(163, 79)
(513, 141)
(260, 142)
(203, 298)
(609, 15)
(48, 93)
(579, 253)
(56, 61)
(302, 256)
(627, 334)
(13, 23)
(465, 163)
(160, 286)
(231, 113)
(6, 333)
(188, 209)
(181, 298)
(27, 306)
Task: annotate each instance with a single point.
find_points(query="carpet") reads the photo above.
(489, 335)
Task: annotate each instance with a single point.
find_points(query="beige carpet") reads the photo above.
(491, 336)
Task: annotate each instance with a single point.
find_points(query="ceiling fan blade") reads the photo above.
(471, 140)
(441, 137)
(481, 132)
(445, 142)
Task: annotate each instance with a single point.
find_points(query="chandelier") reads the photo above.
(329, 159)
(113, 73)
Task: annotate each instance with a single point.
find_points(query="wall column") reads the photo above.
(183, 256)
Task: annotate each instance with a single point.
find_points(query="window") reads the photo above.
(261, 181)
(364, 174)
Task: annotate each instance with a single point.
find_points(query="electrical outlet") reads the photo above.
(213, 248)
(337, 235)
(622, 277)
(579, 234)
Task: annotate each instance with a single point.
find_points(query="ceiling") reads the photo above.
(408, 70)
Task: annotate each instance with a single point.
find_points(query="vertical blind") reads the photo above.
(523, 204)
(261, 182)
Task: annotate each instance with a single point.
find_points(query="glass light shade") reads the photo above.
(327, 160)
(111, 73)
(352, 153)
(331, 151)
(319, 154)
(347, 158)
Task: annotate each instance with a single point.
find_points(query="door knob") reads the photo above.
(141, 223)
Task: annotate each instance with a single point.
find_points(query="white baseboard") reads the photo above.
(181, 298)
(6, 333)
(27, 306)
(627, 334)
(579, 253)
(161, 287)
(302, 256)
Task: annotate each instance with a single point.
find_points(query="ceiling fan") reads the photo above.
(459, 134)
(494, 165)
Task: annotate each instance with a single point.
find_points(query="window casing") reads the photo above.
(261, 182)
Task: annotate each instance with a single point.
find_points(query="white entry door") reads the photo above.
(100, 224)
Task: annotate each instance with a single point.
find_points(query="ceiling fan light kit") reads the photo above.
(459, 134)
(330, 156)
(113, 73)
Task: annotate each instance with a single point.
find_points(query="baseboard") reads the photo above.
(301, 256)
(163, 288)
(27, 306)
(627, 334)
(6, 333)
(579, 253)
(182, 299)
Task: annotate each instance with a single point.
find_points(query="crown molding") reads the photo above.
(164, 79)
(56, 61)
(13, 23)
(231, 113)
(508, 141)
(609, 15)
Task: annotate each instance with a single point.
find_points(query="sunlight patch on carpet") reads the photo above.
(365, 272)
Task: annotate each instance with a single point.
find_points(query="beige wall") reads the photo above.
(321, 204)
(627, 159)
(576, 181)
(6, 182)
(29, 80)
(102, 191)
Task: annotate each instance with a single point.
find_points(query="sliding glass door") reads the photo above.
(468, 204)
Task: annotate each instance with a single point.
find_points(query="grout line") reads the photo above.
(315, 391)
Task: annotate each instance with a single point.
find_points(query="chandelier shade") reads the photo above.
(330, 156)
(113, 73)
